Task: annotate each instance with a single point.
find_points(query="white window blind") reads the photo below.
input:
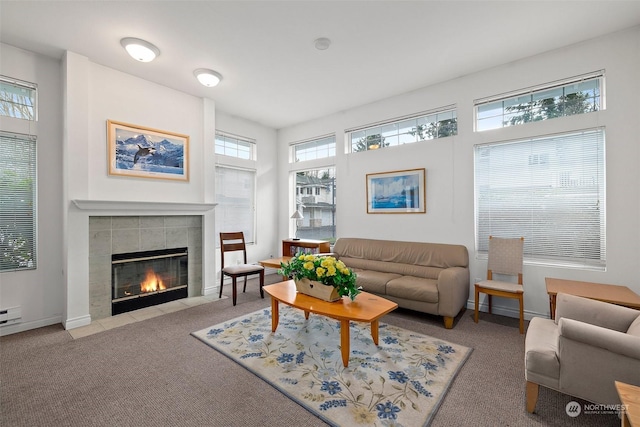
(551, 191)
(17, 202)
(235, 195)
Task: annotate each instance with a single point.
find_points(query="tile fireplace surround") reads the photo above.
(104, 227)
(110, 235)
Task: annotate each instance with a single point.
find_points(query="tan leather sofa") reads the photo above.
(428, 277)
(590, 345)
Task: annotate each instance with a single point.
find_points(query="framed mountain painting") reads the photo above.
(143, 152)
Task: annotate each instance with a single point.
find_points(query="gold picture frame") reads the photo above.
(402, 191)
(142, 152)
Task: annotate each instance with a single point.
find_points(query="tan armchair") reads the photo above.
(590, 345)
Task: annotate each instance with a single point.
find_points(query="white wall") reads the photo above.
(267, 243)
(449, 161)
(39, 292)
(77, 97)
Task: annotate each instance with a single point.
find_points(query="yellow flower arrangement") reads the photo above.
(324, 269)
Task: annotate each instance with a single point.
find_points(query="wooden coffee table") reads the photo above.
(620, 295)
(365, 308)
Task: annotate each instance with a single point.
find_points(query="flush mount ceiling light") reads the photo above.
(140, 50)
(322, 43)
(206, 77)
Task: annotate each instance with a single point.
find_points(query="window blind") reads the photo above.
(551, 191)
(235, 195)
(17, 201)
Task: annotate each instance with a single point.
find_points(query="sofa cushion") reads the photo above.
(414, 288)
(374, 281)
(413, 253)
(634, 328)
(392, 267)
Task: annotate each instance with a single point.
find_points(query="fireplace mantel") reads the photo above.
(122, 205)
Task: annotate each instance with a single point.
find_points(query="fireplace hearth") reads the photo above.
(144, 279)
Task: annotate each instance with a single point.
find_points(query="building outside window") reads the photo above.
(316, 201)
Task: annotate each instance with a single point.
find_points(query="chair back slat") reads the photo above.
(232, 242)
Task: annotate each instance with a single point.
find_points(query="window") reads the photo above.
(318, 148)
(316, 203)
(425, 126)
(17, 202)
(235, 195)
(573, 96)
(17, 99)
(551, 190)
(235, 146)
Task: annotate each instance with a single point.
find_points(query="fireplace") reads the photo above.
(144, 279)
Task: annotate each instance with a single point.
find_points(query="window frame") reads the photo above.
(528, 96)
(22, 85)
(314, 145)
(297, 202)
(236, 140)
(374, 134)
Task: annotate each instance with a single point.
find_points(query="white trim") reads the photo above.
(123, 205)
(77, 322)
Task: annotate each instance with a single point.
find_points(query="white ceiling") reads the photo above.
(264, 49)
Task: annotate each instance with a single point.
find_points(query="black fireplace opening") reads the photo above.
(144, 279)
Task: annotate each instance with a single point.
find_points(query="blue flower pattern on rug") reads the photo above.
(400, 382)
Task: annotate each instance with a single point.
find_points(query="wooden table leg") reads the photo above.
(306, 314)
(552, 306)
(275, 314)
(374, 331)
(344, 341)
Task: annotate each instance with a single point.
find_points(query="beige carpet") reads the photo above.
(154, 373)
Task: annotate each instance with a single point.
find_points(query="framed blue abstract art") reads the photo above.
(397, 192)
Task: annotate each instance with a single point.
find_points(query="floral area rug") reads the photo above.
(400, 382)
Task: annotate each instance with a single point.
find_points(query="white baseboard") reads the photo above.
(504, 311)
(25, 326)
(77, 322)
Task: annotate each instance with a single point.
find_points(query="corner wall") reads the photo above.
(449, 161)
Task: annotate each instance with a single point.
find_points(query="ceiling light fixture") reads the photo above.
(140, 50)
(322, 43)
(206, 77)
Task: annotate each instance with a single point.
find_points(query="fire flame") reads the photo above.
(152, 282)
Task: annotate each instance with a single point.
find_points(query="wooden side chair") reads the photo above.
(506, 258)
(231, 242)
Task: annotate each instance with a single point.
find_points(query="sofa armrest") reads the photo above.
(608, 339)
(453, 290)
